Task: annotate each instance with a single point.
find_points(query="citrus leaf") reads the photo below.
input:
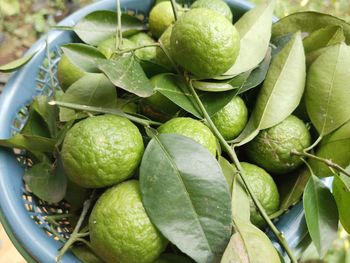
(100, 25)
(309, 22)
(341, 193)
(326, 98)
(213, 86)
(191, 174)
(249, 245)
(335, 147)
(16, 64)
(240, 200)
(321, 214)
(31, 143)
(46, 182)
(83, 56)
(254, 28)
(126, 73)
(227, 170)
(92, 90)
(281, 92)
(323, 37)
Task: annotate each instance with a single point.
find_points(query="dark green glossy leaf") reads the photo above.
(281, 92)
(29, 142)
(309, 22)
(257, 76)
(83, 56)
(325, 96)
(100, 25)
(249, 245)
(335, 147)
(92, 90)
(341, 193)
(16, 64)
(75, 196)
(199, 221)
(46, 181)
(323, 37)
(126, 73)
(254, 28)
(321, 214)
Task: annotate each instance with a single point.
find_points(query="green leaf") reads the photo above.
(31, 143)
(199, 221)
(75, 196)
(16, 64)
(341, 193)
(83, 56)
(321, 214)
(325, 96)
(335, 147)
(323, 37)
(281, 92)
(254, 28)
(257, 76)
(126, 73)
(47, 181)
(240, 199)
(173, 87)
(92, 90)
(227, 170)
(213, 86)
(100, 25)
(309, 22)
(249, 245)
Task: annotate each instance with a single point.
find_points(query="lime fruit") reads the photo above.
(102, 151)
(204, 43)
(120, 230)
(142, 39)
(193, 129)
(108, 46)
(231, 119)
(264, 188)
(161, 58)
(160, 18)
(68, 73)
(271, 149)
(219, 6)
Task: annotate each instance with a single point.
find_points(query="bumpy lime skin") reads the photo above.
(160, 18)
(219, 6)
(193, 129)
(265, 190)
(102, 151)
(231, 119)
(120, 230)
(141, 39)
(68, 73)
(204, 43)
(271, 148)
(108, 46)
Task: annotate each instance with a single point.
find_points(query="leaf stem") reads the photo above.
(117, 112)
(235, 160)
(314, 144)
(173, 3)
(327, 162)
(75, 235)
(122, 51)
(119, 35)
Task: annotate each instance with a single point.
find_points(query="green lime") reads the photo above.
(193, 129)
(204, 43)
(231, 119)
(108, 46)
(142, 39)
(160, 18)
(161, 58)
(102, 151)
(271, 148)
(219, 6)
(68, 73)
(264, 188)
(120, 230)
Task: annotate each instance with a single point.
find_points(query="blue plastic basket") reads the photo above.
(21, 213)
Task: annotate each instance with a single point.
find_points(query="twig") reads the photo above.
(327, 162)
(119, 34)
(173, 3)
(122, 51)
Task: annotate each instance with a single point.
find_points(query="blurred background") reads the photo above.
(22, 22)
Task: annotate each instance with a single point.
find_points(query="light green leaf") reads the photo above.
(16, 64)
(325, 96)
(254, 28)
(281, 92)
